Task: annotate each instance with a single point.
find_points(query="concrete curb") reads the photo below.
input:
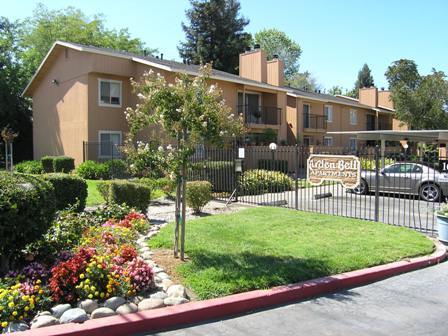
(194, 312)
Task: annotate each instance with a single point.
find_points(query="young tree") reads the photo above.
(420, 101)
(190, 112)
(276, 42)
(70, 25)
(215, 33)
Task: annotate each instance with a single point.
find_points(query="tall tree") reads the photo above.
(364, 79)
(15, 110)
(304, 81)
(276, 42)
(420, 101)
(70, 25)
(214, 33)
(336, 90)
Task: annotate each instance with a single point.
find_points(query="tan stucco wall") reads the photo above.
(253, 65)
(384, 99)
(275, 72)
(368, 96)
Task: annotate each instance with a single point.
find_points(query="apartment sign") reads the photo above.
(340, 168)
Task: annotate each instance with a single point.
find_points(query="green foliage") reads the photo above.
(199, 193)
(370, 164)
(70, 190)
(262, 247)
(304, 81)
(258, 181)
(215, 33)
(27, 206)
(269, 135)
(47, 163)
(365, 79)
(421, 102)
(91, 170)
(29, 167)
(275, 165)
(146, 160)
(63, 164)
(276, 42)
(221, 174)
(117, 168)
(165, 184)
(110, 211)
(335, 90)
(119, 192)
(70, 25)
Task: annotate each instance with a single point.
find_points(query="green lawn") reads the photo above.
(94, 197)
(263, 247)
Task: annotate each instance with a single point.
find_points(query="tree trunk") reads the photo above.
(184, 207)
(177, 215)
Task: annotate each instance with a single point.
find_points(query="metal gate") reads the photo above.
(399, 189)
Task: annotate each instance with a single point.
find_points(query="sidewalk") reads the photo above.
(414, 303)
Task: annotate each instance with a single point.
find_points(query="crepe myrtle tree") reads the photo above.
(191, 112)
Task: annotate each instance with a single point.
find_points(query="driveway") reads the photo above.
(414, 303)
(395, 209)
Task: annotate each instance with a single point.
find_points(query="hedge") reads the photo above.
(92, 170)
(27, 207)
(258, 181)
(133, 194)
(221, 174)
(275, 165)
(70, 190)
(29, 167)
(58, 164)
(47, 163)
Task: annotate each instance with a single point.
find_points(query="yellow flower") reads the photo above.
(102, 295)
(14, 313)
(81, 276)
(32, 306)
(27, 308)
(4, 324)
(87, 281)
(11, 304)
(100, 266)
(25, 298)
(1, 308)
(90, 296)
(41, 291)
(92, 288)
(86, 287)
(38, 281)
(97, 293)
(21, 317)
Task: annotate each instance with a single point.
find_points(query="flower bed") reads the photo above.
(106, 269)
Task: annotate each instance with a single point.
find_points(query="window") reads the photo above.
(328, 141)
(328, 111)
(353, 117)
(352, 144)
(306, 116)
(403, 168)
(109, 92)
(109, 143)
(306, 141)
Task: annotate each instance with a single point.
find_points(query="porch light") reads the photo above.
(273, 146)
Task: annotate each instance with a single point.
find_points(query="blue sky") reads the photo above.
(337, 37)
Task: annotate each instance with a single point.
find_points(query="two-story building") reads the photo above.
(80, 93)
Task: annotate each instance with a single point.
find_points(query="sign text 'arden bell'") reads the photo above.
(340, 168)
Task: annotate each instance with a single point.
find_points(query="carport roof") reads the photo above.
(390, 135)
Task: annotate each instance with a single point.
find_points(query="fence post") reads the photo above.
(377, 184)
(296, 177)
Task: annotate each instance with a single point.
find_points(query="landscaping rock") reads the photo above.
(127, 308)
(159, 295)
(44, 321)
(144, 249)
(16, 326)
(102, 312)
(157, 269)
(147, 255)
(136, 299)
(148, 304)
(114, 302)
(163, 275)
(166, 283)
(60, 309)
(177, 291)
(174, 301)
(45, 312)
(88, 305)
(76, 315)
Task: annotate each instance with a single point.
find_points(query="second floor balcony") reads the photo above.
(314, 122)
(260, 115)
(380, 126)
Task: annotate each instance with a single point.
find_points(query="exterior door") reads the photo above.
(252, 102)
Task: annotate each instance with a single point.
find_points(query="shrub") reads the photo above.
(110, 211)
(165, 184)
(369, 164)
(221, 174)
(91, 170)
(27, 205)
(116, 168)
(258, 181)
(133, 194)
(199, 193)
(47, 163)
(69, 190)
(276, 165)
(29, 167)
(63, 164)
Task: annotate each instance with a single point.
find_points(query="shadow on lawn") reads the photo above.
(255, 271)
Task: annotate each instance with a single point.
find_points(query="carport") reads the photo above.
(439, 137)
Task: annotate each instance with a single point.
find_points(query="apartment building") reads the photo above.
(80, 93)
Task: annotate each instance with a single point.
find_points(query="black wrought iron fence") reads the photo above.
(396, 189)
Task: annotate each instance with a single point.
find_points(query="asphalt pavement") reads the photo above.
(414, 303)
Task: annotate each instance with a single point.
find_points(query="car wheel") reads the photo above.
(362, 189)
(430, 192)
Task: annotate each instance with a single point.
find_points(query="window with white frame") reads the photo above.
(352, 144)
(109, 144)
(328, 141)
(353, 117)
(328, 111)
(109, 92)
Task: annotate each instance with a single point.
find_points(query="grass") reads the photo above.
(262, 247)
(94, 197)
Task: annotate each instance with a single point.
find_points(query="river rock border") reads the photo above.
(164, 293)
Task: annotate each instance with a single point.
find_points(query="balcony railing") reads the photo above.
(261, 115)
(314, 121)
(382, 126)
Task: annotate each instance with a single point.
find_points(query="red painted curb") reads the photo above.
(193, 312)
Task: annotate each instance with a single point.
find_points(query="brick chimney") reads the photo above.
(275, 72)
(253, 65)
(369, 96)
